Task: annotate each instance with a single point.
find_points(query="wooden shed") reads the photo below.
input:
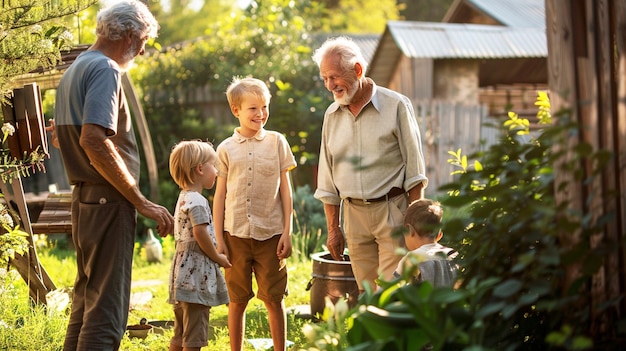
(463, 75)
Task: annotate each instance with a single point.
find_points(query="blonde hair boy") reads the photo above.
(242, 87)
(253, 210)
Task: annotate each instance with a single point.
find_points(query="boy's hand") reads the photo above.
(284, 248)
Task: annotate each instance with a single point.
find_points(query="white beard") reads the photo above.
(347, 96)
(129, 57)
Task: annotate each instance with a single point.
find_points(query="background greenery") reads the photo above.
(202, 45)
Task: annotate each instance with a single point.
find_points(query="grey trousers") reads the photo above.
(103, 232)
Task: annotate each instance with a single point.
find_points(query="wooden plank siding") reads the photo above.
(447, 126)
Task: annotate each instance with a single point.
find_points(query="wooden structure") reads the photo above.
(55, 217)
(26, 115)
(448, 126)
(508, 82)
(587, 71)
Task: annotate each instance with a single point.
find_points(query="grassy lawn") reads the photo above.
(27, 327)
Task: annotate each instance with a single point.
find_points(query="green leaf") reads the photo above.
(507, 288)
(490, 309)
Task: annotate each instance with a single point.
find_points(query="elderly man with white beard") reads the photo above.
(371, 164)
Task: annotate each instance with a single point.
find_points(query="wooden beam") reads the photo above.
(144, 135)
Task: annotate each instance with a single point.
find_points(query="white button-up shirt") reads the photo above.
(252, 168)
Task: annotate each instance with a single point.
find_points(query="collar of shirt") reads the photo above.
(374, 100)
(240, 138)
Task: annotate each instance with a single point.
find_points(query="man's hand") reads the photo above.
(52, 130)
(160, 214)
(336, 243)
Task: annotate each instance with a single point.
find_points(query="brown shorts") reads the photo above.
(249, 256)
(191, 325)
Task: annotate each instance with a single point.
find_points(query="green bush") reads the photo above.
(309, 225)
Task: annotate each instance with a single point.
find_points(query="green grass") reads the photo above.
(24, 326)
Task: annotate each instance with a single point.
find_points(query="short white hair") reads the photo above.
(346, 48)
(121, 16)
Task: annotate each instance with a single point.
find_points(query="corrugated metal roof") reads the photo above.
(514, 13)
(451, 40)
(430, 40)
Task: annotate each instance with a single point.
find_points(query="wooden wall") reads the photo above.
(587, 78)
(447, 126)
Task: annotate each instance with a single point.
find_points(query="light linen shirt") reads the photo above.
(252, 168)
(363, 157)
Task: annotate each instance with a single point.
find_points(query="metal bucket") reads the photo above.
(333, 279)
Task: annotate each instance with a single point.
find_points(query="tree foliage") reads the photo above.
(32, 35)
(358, 16)
(183, 85)
(424, 10)
(183, 20)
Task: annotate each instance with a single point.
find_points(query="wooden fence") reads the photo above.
(447, 126)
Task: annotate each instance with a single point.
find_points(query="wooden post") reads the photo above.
(586, 59)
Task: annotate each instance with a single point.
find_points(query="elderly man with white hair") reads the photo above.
(370, 162)
(94, 133)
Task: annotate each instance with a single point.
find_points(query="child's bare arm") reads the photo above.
(284, 245)
(202, 236)
(219, 203)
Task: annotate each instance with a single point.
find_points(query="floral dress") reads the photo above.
(194, 277)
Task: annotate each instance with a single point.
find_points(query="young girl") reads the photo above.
(196, 281)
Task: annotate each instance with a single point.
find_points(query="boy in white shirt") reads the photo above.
(253, 211)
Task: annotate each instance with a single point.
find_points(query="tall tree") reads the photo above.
(357, 16)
